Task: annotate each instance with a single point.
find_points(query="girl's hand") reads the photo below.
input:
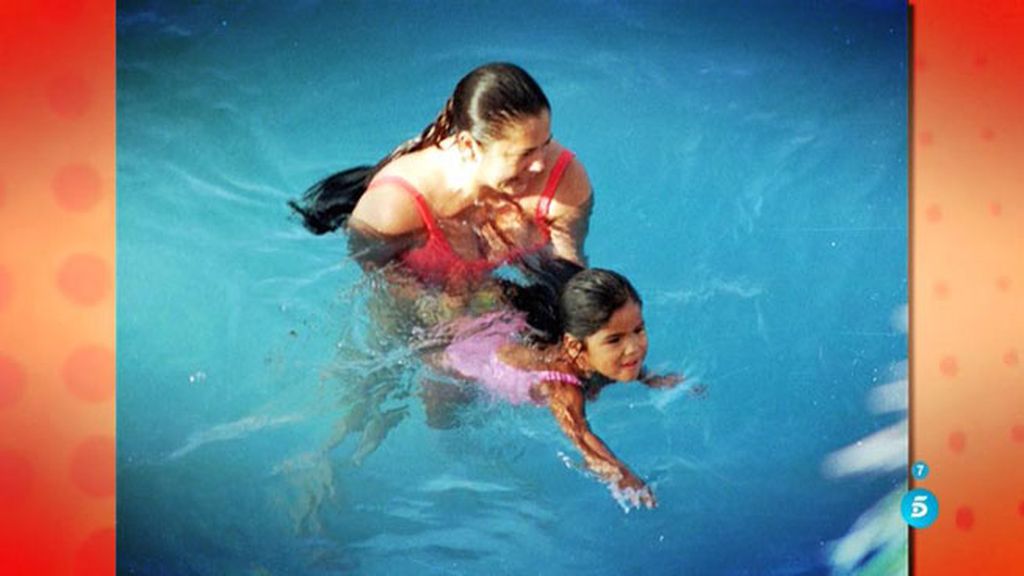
(633, 491)
(661, 381)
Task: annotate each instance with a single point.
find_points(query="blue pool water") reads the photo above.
(749, 170)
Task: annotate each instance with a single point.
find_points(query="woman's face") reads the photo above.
(619, 348)
(513, 162)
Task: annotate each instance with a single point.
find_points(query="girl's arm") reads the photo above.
(568, 407)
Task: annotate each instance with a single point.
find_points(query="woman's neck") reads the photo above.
(459, 175)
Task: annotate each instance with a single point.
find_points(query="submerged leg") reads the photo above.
(376, 431)
(442, 402)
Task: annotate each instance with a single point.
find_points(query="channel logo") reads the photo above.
(920, 508)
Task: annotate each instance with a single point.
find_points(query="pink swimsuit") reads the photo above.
(435, 261)
(473, 354)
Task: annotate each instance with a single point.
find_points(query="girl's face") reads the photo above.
(619, 348)
(511, 164)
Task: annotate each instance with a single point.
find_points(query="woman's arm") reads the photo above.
(372, 249)
(384, 223)
(570, 214)
(568, 407)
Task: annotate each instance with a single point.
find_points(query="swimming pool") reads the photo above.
(749, 169)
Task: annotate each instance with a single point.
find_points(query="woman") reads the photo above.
(483, 185)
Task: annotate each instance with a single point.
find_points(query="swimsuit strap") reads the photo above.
(552, 184)
(555, 376)
(433, 230)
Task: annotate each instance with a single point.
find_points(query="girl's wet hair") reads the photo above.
(565, 298)
(590, 298)
(485, 102)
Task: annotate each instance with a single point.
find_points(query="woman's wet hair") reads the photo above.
(326, 205)
(493, 96)
(485, 103)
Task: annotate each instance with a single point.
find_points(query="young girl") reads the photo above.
(602, 340)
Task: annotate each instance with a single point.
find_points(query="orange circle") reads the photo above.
(2, 192)
(69, 96)
(77, 187)
(964, 518)
(925, 138)
(5, 287)
(12, 380)
(89, 373)
(957, 442)
(934, 213)
(1020, 508)
(97, 553)
(92, 466)
(1017, 433)
(15, 477)
(948, 366)
(941, 290)
(84, 279)
(1011, 358)
(995, 209)
(1003, 283)
(987, 134)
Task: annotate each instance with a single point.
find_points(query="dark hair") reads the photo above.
(565, 298)
(484, 103)
(590, 298)
(539, 299)
(326, 205)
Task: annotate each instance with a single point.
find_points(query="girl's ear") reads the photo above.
(571, 344)
(577, 351)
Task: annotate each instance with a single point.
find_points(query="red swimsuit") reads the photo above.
(436, 261)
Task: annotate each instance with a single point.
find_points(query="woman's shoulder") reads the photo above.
(574, 186)
(387, 208)
(392, 202)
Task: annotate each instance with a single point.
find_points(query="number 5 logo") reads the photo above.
(920, 508)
